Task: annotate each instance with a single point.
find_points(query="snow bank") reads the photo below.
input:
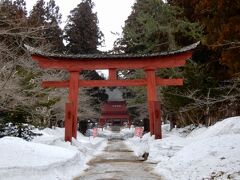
(125, 133)
(104, 132)
(204, 153)
(214, 157)
(55, 137)
(47, 157)
(225, 127)
(23, 159)
(38, 153)
(139, 145)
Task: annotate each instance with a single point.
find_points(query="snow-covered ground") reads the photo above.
(202, 153)
(189, 153)
(124, 133)
(47, 157)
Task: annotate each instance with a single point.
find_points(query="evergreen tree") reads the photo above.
(222, 28)
(154, 26)
(46, 19)
(82, 32)
(84, 37)
(220, 20)
(215, 62)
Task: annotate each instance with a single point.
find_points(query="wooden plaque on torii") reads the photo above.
(74, 64)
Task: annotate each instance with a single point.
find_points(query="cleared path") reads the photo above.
(117, 162)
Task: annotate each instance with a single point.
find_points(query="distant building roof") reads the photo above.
(114, 109)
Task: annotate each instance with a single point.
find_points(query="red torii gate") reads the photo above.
(76, 63)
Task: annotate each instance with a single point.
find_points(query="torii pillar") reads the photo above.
(153, 104)
(71, 107)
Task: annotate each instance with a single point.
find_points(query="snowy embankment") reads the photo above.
(47, 157)
(125, 133)
(204, 153)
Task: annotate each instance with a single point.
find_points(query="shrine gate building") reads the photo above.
(114, 113)
(74, 64)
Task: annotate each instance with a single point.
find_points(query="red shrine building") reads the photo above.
(114, 113)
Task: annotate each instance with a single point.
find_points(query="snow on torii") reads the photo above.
(76, 63)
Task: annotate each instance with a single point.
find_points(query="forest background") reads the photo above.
(212, 76)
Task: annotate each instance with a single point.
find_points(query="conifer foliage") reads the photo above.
(82, 32)
(154, 26)
(220, 19)
(83, 36)
(45, 19)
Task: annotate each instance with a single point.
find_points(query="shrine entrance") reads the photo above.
(114, 113)
(74, 64)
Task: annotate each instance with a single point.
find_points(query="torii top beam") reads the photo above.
(112, 61)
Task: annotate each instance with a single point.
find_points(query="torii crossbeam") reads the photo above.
(74, 64)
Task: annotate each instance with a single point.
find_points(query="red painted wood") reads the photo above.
(151, 116)
(96, 83)
(112, 83)
(151, 96)
(115, 116)
(114, 107)
(74, 66)
(112, 74)
(158, 121)
(167, 61)
(73, 98)
(114, 110)
(68, 122)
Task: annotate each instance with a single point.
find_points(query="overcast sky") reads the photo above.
(111, 15)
